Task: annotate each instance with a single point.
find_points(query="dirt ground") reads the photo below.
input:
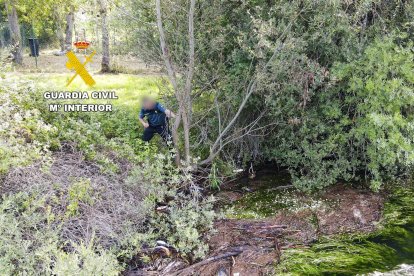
(253, 246)
(250, 247)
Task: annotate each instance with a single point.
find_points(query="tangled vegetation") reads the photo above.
(322, 89)
(79, 191)
(360, 126)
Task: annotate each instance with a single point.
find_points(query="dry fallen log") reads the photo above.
(189, 270)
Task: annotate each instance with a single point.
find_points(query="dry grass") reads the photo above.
(117, 209)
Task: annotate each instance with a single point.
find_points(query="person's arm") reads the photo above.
(141, 119)
(167, 112)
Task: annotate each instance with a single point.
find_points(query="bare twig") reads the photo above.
(188, 270)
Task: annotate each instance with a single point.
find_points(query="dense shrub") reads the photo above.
(320, 73)
(357, 124)
(189, 219)
(24, 135)
(99, 136)
(29, 243)
(80, 191)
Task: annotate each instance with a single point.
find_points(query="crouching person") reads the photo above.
(156, 120)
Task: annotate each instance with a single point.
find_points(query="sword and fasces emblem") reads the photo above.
(75, 64)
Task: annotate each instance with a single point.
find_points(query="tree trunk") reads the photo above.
(2, 42)
(173, 79)
(70, 18)
(186, 129)
(187, 102)
(14, 28)
(61, 39)
(176, 139)
(98, 41)
(59, 30)
(105, 37)
(183, 95)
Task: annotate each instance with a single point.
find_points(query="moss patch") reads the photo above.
(382, 250)
(336, 257)
(267, 203)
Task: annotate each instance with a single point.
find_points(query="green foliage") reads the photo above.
(213, 177)
(24, 249)
(335, 258)
(81, 195)
(326, 94)
(98, 135)
(357, 125)
(188, 225)
(378, 90)
(80, 191)
(337, 104)
(31, 130)
(189, 218)
(102, 136)
(29, 244)
(24, 135)
(390, 245)
(85, 261)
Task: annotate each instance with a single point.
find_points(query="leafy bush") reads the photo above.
(378, 91)
(23, 248)
(84, 260)
(80, 191)
(24, 135)
(71, 225)
(189, 219)
(356, 125)
(29, 243)
(187, 225)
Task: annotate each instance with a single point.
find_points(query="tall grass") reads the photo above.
(129, 88)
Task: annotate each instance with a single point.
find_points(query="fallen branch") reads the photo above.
(188, 270)
(274, 226)
(281, 187)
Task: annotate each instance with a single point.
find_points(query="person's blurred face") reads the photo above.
(148, 104)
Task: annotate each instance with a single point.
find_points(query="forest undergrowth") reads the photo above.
(80, 193)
